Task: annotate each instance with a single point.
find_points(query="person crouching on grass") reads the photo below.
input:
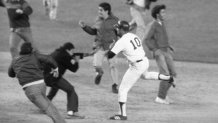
(26, 67)
(66, 59)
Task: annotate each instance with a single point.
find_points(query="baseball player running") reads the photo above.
(131, 46)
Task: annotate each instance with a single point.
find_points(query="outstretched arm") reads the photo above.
(88, 29)
(47, 59)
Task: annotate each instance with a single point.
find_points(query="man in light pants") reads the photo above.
(51, 7)
(138, 9)
(131, 46)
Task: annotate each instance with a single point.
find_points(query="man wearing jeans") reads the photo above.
(28, 71)
(157, 41)
(66, 60)
(105, 37)
(18, 14)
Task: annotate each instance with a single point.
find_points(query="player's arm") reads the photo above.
(115, 49)
(88, 29)
(82, 55)
(11, 72)
(149, 39)
(70, 62)
(26, 8)
(47, 59)
(110, 54)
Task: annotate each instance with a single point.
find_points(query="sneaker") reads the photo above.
(161, 101)
(98, 79)
(171, 81)
(118, 117)
(75, 116)
(114, 88)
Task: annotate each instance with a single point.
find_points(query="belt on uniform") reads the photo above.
(139, 60)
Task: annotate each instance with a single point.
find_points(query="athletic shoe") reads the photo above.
(114, 88)
(75, 116)
(118, 117)
(98, 79)
(161, 101)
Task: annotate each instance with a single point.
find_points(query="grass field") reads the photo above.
(193, 29)
(195, 97)
(192, 25)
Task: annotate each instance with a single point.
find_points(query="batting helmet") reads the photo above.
(122, 25)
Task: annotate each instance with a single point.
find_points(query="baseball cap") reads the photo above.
(122, 25)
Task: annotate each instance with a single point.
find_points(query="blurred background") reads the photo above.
(192, 26)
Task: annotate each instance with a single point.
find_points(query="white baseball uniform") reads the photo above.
(131, 46)
(140, 3)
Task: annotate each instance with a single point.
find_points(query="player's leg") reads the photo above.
(14, 41)
(171, 68)
(97, 63)
(36, 94)
(26, 35)
(153, 75)
(72, 98)
(46, 4)
(170, 63)
(129, 79)
(53, 12)
(114, 74)
(164, 84)
(52, 93)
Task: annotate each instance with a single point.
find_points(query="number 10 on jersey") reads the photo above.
(136, 43)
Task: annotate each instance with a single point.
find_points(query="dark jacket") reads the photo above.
(27, 68)
(17, 20)
(157, 37)
(104, 31)
(63, 59)
(2, 4)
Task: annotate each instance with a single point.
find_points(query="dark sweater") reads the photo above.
(157, 37)
(63, 59)
(27, 67)
(104, 31)
(17, 20)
